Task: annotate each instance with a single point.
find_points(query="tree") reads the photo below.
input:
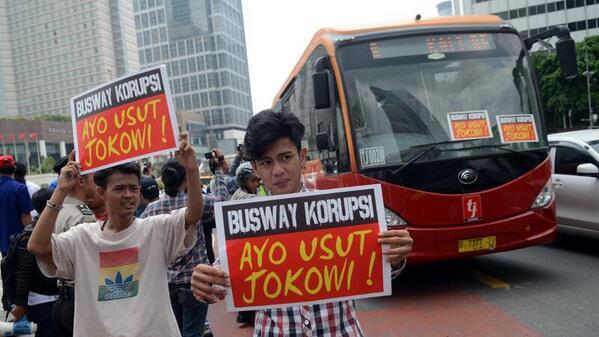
(48, 165)
(560, 95)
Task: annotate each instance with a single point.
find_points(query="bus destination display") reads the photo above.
(424, 45)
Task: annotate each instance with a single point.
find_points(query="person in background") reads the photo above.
(74, 211)
(189, 312)
(147, 169)
(248, 182)
(149, 193)
(218, 161)
(15, 203)
(35, 293)
(218, 166)
(217, 191)
(20, 173)
(56, 168)
(96, 204)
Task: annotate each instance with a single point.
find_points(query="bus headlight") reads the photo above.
(393, 220)
(544, 198)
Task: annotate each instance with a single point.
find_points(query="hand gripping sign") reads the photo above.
(303, 248)
(127, 119)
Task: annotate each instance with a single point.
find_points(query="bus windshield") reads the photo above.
(407, 93)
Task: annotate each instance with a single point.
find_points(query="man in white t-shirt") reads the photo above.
(120, 264)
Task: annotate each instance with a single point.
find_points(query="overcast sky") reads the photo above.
(278, 31)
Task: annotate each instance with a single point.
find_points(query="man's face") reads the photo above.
(253, 183)
(92, 198)
(280, 168)
(121, 194)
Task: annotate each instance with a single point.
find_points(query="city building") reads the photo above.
(202, 43)
(52, 50)
(531, 17)
(31, 140)
(445, 8)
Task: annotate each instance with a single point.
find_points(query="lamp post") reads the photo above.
(588, 75)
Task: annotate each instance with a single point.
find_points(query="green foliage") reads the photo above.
(560, 95)
(48, 164)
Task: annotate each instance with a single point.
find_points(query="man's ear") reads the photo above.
(254, 166)
(303, 155)
(100, 191)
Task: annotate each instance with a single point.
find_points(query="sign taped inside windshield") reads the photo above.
(466, 125)
(372, 156)
(517, 129)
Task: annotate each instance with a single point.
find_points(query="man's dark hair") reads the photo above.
(172, 174)
(101, 177)
(267, 127)
(20, 172)
(39, 198)
(213, 165)
(62, 162)
(7, 170)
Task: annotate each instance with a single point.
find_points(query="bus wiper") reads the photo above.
(503, 147)
(431, 146)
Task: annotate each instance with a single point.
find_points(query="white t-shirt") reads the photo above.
(121, 287)
(32, 188)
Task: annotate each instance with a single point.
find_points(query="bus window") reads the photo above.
(299, 99)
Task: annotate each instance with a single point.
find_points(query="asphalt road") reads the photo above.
(550, 291)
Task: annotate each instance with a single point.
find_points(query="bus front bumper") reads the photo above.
(534, 227)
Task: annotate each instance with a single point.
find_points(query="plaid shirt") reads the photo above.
(323, 320)
(179, 272)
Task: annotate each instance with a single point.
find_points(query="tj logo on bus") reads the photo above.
(471, 208)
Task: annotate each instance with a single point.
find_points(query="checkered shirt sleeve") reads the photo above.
(334, 319)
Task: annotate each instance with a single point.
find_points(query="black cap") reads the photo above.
(149, 188)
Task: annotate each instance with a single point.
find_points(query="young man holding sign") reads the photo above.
(273, 143)
(120, 265)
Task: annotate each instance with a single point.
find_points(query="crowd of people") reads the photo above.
(103, 254)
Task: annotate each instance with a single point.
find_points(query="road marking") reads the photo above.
(489, 280)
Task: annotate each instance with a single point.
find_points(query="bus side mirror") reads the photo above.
(321, 83)
(566, 55)
(565, 47)
(322, 96)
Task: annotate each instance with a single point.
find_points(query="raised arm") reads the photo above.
(40, 240)
(195, 205)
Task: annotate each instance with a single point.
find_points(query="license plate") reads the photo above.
(471, 245)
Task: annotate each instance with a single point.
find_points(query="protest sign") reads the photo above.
(127, 119)
(303, 248)
(517, 128)
(469, 125)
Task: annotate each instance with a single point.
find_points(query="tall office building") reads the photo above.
(531, 17)
(51, 50)
(445, 8)
(202, 42)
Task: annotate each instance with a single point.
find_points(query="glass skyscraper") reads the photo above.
(202, 43)
(51, 50)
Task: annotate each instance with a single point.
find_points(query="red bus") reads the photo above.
(446, 115)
